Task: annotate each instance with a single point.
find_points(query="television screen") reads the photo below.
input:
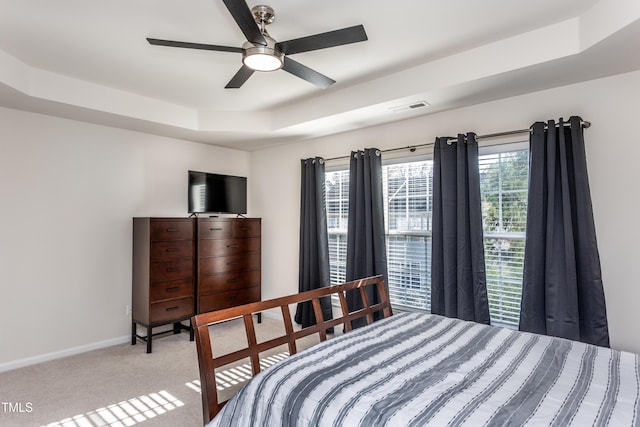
(213, 193)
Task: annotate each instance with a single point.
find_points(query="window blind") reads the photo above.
(408, 209)
(337, 200)
(503, 188)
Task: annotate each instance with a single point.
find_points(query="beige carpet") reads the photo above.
(124, 386)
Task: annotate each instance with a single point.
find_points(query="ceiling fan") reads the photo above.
(262, 53)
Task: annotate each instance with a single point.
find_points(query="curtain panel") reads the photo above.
(366, 243)
(562, 292)
(313, 270)
(458, 282)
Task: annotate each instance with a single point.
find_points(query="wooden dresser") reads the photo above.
(228, 265)
(163, 275)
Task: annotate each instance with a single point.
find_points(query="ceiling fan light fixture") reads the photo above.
(262, 59)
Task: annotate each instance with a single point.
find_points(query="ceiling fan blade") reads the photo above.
(321, 41)
(189, 45)
(306, 73)
(244, 18)
(241, 76)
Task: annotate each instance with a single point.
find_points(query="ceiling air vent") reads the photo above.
(413, 106)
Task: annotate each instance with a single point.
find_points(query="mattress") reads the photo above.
(415, 369)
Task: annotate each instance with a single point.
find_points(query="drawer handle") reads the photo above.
(173, 289)
(172, 230)
(172, 308)
(234, 280)
(232, 263)
(215, 229)
(232, 246)
(172, 249)
(245, 228)
(173, 269)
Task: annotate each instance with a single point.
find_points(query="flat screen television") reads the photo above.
(213, 193)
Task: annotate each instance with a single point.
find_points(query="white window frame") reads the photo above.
(497, 315)
(395, 288)
(338, 272)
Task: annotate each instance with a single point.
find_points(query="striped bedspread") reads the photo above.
(418, 369)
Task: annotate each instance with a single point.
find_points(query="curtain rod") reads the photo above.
(413, 148)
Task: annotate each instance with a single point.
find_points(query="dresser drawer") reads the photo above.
(246, 228)
(229, 281)
(167, 311)
(172, 230)
(172, 249)
(172, 269)
(214, 229)
(225, 247)
(171, 289)
(227, 299)
(229, 263)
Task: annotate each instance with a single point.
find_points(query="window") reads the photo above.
(407, 210)
(408, 199)
(337, 200)
(503, 188)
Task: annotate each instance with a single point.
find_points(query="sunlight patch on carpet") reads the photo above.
(233, 376)
(125, 413)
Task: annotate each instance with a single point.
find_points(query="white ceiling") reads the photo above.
(89, 60)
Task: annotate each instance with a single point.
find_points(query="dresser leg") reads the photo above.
(191, 334)
(259, 317)
(133, 333)
(176, 328)
(149, 337)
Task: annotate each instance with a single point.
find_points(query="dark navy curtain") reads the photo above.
(458, 283)
(562, 292)
(314, 241)
(366, 244)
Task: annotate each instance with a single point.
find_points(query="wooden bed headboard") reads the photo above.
(207, 363)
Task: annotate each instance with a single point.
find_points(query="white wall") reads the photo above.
(68, 191)
(613, 150)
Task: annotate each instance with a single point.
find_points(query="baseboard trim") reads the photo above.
(21, 363)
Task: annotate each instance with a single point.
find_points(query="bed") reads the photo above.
(417, 369)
